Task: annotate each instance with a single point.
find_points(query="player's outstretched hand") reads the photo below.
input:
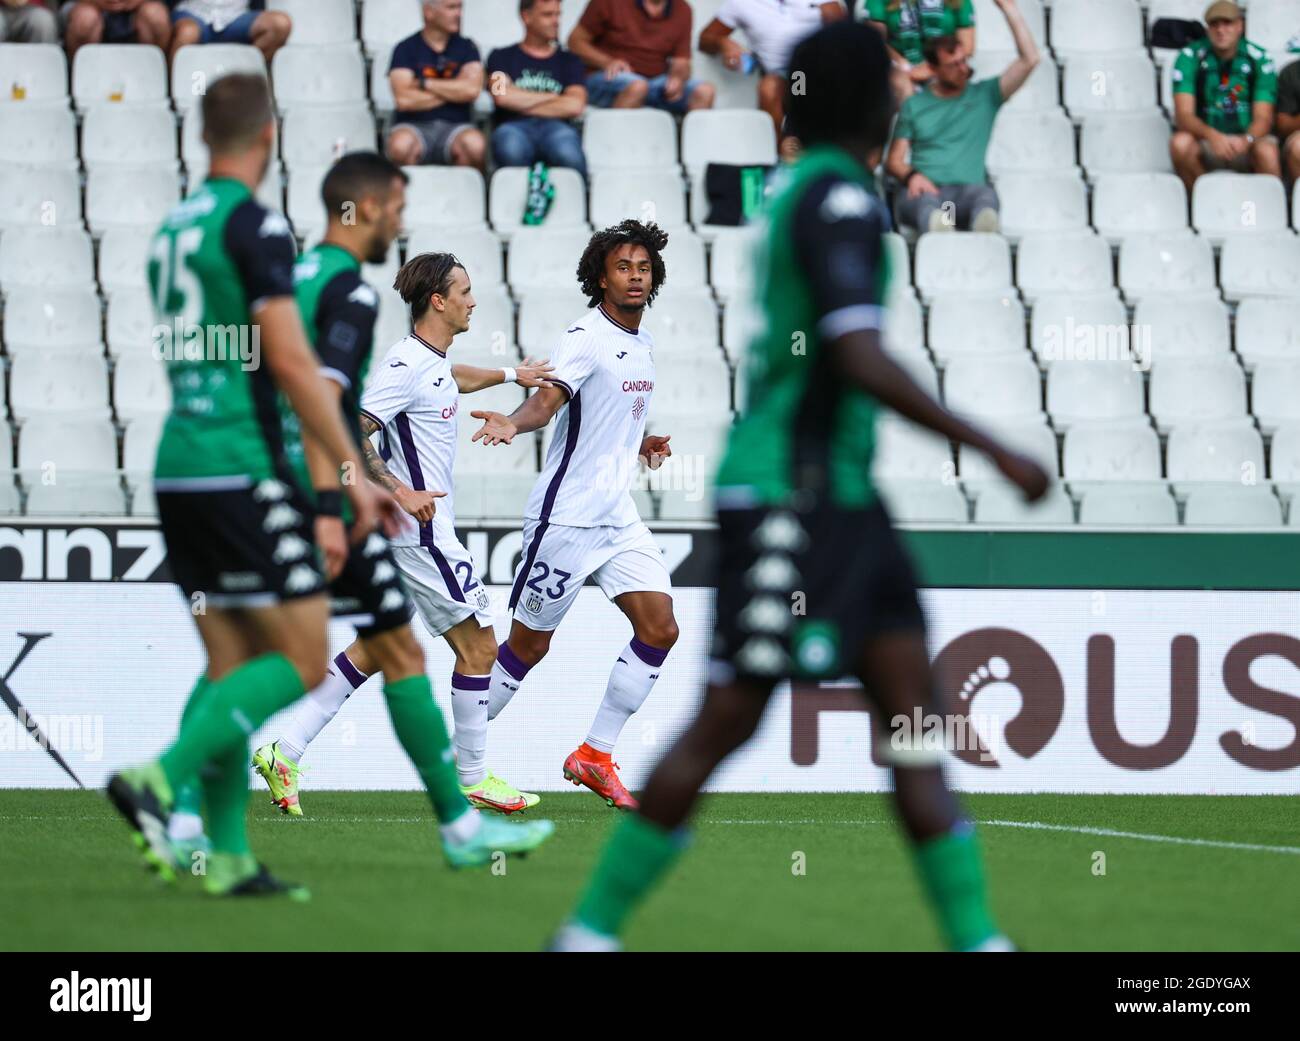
(333, 542)
(1024, 473)
(496, 428)
(422, 505)
(654, 450)
(374, 508)
(533, 373)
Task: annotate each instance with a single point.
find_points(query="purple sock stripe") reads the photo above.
(461, 682)
(509, 661)
(650, 655)
(350, 672)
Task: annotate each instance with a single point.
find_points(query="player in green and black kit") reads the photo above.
(797, 510)
(238, 529)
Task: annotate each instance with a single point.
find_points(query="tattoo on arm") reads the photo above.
(376, 468)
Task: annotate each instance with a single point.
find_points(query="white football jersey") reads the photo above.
(608, 372)
(413, 397)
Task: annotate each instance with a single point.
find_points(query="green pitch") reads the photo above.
(69, 878)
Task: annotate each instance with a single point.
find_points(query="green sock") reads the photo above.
(227, 870)
(189, 794)
(232, 709)
(953, 873)
(638, 854)
(225, 787)
(422, 730)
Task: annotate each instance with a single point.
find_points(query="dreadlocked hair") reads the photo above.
(591, 268)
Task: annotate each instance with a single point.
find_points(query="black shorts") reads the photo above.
(242, 547)
(799, 592)
(369, 591)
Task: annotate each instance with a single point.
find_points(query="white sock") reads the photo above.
(463, 828)
(469, 709)
(630, 683)
(508, 673)
(320, 706)
(184, 827)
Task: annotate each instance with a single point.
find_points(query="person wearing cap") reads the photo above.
(1225, 88)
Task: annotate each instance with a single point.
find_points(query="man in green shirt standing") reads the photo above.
(1225, 90)
(943, 134)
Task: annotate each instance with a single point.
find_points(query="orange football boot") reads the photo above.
(597, 771)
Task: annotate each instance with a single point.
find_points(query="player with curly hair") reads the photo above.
(581, 521)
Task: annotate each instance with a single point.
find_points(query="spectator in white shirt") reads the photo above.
(230, 21)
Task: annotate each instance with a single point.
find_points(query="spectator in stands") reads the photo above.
(230, 21)
(27, 21)
(773, 27)
(538, 87)
(436, 75)
(1224, 93)
(116, 21)
(907, 24)
(638, 52)
(946, 128)
(1287, 127)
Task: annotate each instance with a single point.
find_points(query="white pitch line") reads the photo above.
(1176, 840)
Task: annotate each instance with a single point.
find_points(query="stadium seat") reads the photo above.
(107, 73)
(384, 23)
(39, 319)
(1129, 204)
(683, 323)
(924, 502)
(993, 32)
(967, 263)
(393, 324)
(508, 193)
(77, 494)
(195, 66)
(381, 92)
(699, 386)
(1035, 439)
(1042, 202)
(1095, 83)
(907, 452)
(685, 261)
(492, 496)
(918, 366)
(629, 139)
(1184, 326)
(1226, 204)
(1001, 504)
(1040, 93)
(1083, 26)
(123, 258)
(697, 450)
(1123, 450)
(305, 210)
(654, 195)
(1275, 393)
(140, 442)
(1002, 387)
(904, 328)
(1170, 262)
(325, 75)
(742, 319)
(475, 247)
(1093, 390)
(495, 23)
(130, 323)
(47, 382)
(1130, 506)
(10, 500)
(143, 502)
(1262, 264)
(1267, 327)
(318, 23)
(74, 442)
(1125, 143)
(38, 133)
(130, 196)
(1231, 452)
(1077, 262)
(1284, 458)
(520, 457)
(445, 196)
(1196, 390)
(39, 71)
(1272, 23)
(194, 153)
(732, 263)
(1069, 325)
(139, 135)
(40, 195)
(1232, 507)
(46, 258)
(727, 136)
(545, 258)
(491, 333)
(968, 324)
(141, 387)
(317, 136)
(544, 316)
(1026, 142)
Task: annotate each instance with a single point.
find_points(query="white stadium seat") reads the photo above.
(741, 320)
(327, 75)
(1184, 326)
(77, 494)
(1196, 390)
(1266, 264)
(685, 262)
(305, 209)
(317, 136)
(48, 382)
(130, 196)
(1231, 452)
(544, 316)
(1036, 440)
(381, 90)
(318, 23)
(1004, 387)
(732, 263)
(393, 323)
(1226, 204)
(1169, 262)
(491, 333)
(685, 478)
(992, 31)
(39, 319)
(123, 258)
(494, 23)
(1125, 143)
(1072, 325)
(695, 385)
(10, 501)
(107, 73)
(974, 262)
(38, 133)
(1040, 93)
(1284, 455)
(140, 442)
(685, 322)
(629, 139)
(475, 247)
(1025, 142)
(130, 323)
(1106, 83)
(508, 192)
(1267, 327)
(545, 258)
(493, 496)
(900, 260)
(76, 442)
(384, 23)
(1093, 390)
(907, 452)
(56, 257)
(1111, 451)
(904, 328)
(1082, 26)
(1127, 204)
(1129, 506)
(1042, 202)
(197, 66)
(139, 135)
(40, 195)
(141, 387)
(1002, 504)
(1077, 262)
(968, 324)
(439, 196)
(727, 136)
(1232, 507)
(1272, 23)
(924, 502)
(38, 70)
(651, 195)
(1275, 393)
(919, 367)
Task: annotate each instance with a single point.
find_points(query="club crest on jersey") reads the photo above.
(533, 604)
(482, 600)
(638, 408)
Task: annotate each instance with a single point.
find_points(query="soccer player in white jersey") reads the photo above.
(413, 398)
(581, 521)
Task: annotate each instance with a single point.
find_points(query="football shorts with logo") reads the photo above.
(368, 592)
(442, 580)
(800, 592)
(558, 558)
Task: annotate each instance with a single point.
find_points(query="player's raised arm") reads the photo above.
(471, 378)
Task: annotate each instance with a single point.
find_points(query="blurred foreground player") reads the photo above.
(797, 511)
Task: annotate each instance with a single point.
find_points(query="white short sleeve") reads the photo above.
(574, 359)
(390, 390)
(731, 14)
